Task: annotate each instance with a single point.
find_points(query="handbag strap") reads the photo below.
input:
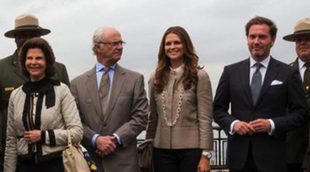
(69, 137)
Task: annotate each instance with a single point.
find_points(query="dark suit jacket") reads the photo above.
(297, 140)
(284, 103)
(126, 116)
(11, 77)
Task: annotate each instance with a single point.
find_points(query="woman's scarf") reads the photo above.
(39, 88)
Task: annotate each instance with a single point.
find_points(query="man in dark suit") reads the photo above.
(266, 99)
(112, 104)
(11, 77)
(298, 139)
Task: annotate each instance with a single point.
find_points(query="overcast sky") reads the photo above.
(215, 26)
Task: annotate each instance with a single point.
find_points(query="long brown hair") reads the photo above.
(190, 60)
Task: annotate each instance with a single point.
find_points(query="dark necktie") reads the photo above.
(307, 77)
(256, 83)
(104, 89)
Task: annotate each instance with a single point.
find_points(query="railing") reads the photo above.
(218, 160)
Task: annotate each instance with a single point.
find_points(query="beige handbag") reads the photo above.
(73, 158)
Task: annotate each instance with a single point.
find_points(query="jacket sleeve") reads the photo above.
(222, 101)
(139, 110)
(306, 161)
(297, 106)
(10, 158)
(71, 118)
(205, 110)
(152, 117)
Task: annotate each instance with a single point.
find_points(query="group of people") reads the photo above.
(260, 103)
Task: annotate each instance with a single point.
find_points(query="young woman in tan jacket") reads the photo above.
(180, 120)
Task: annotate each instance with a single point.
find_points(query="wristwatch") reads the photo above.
(207, 154)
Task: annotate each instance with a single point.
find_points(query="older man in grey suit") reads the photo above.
(112, 104)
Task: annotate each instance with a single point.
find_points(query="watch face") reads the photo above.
(207, 154)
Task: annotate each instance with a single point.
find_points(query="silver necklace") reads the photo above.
(163, 101)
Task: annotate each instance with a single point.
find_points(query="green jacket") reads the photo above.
(11, 78)
(298, 139)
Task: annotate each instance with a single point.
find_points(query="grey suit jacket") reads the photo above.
(126, 116)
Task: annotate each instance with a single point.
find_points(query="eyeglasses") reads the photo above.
(113, 44)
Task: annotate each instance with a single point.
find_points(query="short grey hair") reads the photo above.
(97, 37)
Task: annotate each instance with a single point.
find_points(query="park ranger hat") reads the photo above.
(302, 27)
(26, 22)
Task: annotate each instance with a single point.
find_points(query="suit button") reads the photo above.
(105, 124)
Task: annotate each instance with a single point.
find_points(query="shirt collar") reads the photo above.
(177, 72)
(99, 67)
(178, 69)
(300, 63)
(265, 62)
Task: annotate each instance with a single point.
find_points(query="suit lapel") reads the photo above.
(117, 84)
(272, 71)
(245, 79)
(91, 85)
(295, 64)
